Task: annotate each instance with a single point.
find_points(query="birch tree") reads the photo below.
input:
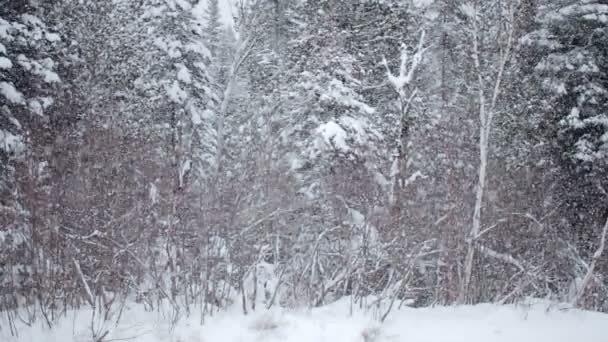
(487, 108)
(247, 40)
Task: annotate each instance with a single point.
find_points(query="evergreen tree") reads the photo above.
(30, 56)
(571, 69)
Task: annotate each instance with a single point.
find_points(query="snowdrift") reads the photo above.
(538, 322)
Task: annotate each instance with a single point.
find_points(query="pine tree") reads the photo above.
(571, 71)
(30, 53)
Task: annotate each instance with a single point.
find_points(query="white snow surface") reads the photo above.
(335, 323)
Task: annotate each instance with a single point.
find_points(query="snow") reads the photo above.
(183, 4)
(5, 30)
(153, 193)
(407, 67)
(46, 101)
(207, 114)
(183, 74)
(344, 95)
(52, 37)
(196, 118)
(10, 93)
(35, 107)
(345, 134)
(357, 218)
(334, 135)
(535, 322)
(5, 63)
(541, 38)
(581, 9)
(468, 10)
(31, 20)
(2, 49)
(176, 93)
(10, 143)
(227, 10)
(49, 76)
(172, 48)
(40, 68)
(184, 170)
(359, 127)
(584, 150)
(592, 12)
(423, 3)
(45, 69)
(414, 177)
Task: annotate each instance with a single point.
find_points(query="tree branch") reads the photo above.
(598, 253)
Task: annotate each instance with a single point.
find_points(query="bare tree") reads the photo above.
(487, 110)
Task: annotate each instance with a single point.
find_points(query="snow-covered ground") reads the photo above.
(334, 323)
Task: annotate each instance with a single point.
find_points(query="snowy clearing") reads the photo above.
(334, 323)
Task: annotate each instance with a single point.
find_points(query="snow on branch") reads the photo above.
(501, 256)
(469, 10)
(407, 68)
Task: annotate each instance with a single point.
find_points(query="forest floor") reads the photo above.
(538, 322)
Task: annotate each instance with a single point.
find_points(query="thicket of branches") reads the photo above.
(390, 151)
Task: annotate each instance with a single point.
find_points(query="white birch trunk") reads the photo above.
(486, 115)
(243, 53)
(85, 284)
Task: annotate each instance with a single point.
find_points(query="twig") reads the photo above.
(596, 256)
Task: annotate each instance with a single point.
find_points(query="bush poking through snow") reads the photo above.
(264, 323)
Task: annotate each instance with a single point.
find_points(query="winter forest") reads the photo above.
(290, 153)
